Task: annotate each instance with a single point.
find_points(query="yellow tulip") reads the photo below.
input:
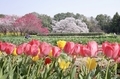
(0, 53)
(50, 54)
(35, 58)
(14, 52)
(91, 63)
(61, 44)
(38, 50)
(62, 64)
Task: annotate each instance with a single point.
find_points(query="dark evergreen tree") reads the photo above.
(62, 16)
(115, 24)
(103, 22)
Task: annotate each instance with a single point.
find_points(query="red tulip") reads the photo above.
(47, 60)
(56, 51)
(69, 47)
(45, 48)
(90, 49)
(110, 49)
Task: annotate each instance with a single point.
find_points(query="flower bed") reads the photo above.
(65, 60)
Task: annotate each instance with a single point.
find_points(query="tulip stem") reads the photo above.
(28, 71)
(106, 75)
(116, 68)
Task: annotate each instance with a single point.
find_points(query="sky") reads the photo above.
(52, 7)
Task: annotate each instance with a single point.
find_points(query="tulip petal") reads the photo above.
(108, 51)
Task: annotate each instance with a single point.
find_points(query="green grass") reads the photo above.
(54, 39)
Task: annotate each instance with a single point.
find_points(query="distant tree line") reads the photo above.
(61, 22)
(101, 23)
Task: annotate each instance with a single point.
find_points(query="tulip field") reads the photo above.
(53, 39)
(40, 57)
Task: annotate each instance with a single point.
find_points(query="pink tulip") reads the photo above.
(44, 48)
(3, 46)
(34, 49)
(119, 51)
(110, 49)
(77, 49)
(104, 45)
(27, 49)
(34, 41)
(90, 49)
(56, 51)
(20, 48)
(0, 45)
(9, 48)
(69, 47)
(31, 50)
(83, 52)
(117, 59)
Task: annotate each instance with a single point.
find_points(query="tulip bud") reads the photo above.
(14, 52)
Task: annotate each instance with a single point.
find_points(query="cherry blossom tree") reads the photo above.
(6, 23)
(70, 25)
(29, 23)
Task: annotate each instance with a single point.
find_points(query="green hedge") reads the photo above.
(74, 34)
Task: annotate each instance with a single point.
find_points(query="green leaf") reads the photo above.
(88, 76)
(80, 76)
(117, 77)
(109, 75)
(97, 70)
(1, 72)
(4, 76)
(73, 72)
